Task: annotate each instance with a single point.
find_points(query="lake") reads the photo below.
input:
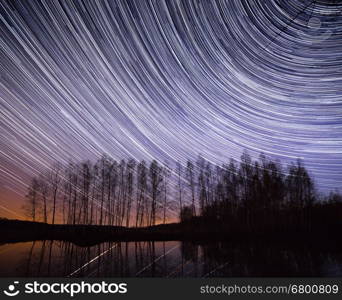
(167, 259)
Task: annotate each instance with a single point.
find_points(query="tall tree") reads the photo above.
(179, 171)
(141, 205)
(121, 203)
(44, 191)
(166, 176)
(155, 174)
(55, 179)
(32, 197)
(130, 181)
(190, 174)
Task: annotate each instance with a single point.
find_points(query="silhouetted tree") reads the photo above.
(179, 171)
(186, 214)
(156, 177)
(44, 190)
(191, 180)
(55, 180)
(141, 205)
(129, 179)
(32, 197)
(166, 176)
(251, 195)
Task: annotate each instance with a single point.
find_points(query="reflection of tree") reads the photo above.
(41, 257)
(164, 259)
(155, 259)
(29, 258)
(49, 260)
(253, 259)
(152, 251)
(189, 251)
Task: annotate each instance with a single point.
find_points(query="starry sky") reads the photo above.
(168, 80)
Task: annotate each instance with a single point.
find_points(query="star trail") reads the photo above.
(169, 80)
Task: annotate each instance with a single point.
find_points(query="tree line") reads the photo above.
(108, 192)
(138, 193)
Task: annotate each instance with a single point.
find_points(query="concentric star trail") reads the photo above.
(169, 80)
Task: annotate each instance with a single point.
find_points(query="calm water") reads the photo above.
(164, 259)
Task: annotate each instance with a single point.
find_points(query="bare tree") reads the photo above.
(103, 183)
(113, 181)
(156, 178)
(44, 190)
(141, 204)
(191, 180)
(129, 179)
(179, 171)
(86, 180)
(32, 197)
(166, 176)
(121, 203)
(55, 179)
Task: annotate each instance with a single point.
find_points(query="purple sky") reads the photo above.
(168, 80)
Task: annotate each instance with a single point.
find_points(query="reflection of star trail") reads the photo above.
(169, 80)
(179, 267)
(155, 260)
(214, 270)
(92, 260)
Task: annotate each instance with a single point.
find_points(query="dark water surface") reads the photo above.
(166, 259)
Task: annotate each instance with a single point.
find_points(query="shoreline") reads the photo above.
(12, 231)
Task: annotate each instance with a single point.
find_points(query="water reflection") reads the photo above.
(165, 259)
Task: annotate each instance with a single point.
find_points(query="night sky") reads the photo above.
(168, 80)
